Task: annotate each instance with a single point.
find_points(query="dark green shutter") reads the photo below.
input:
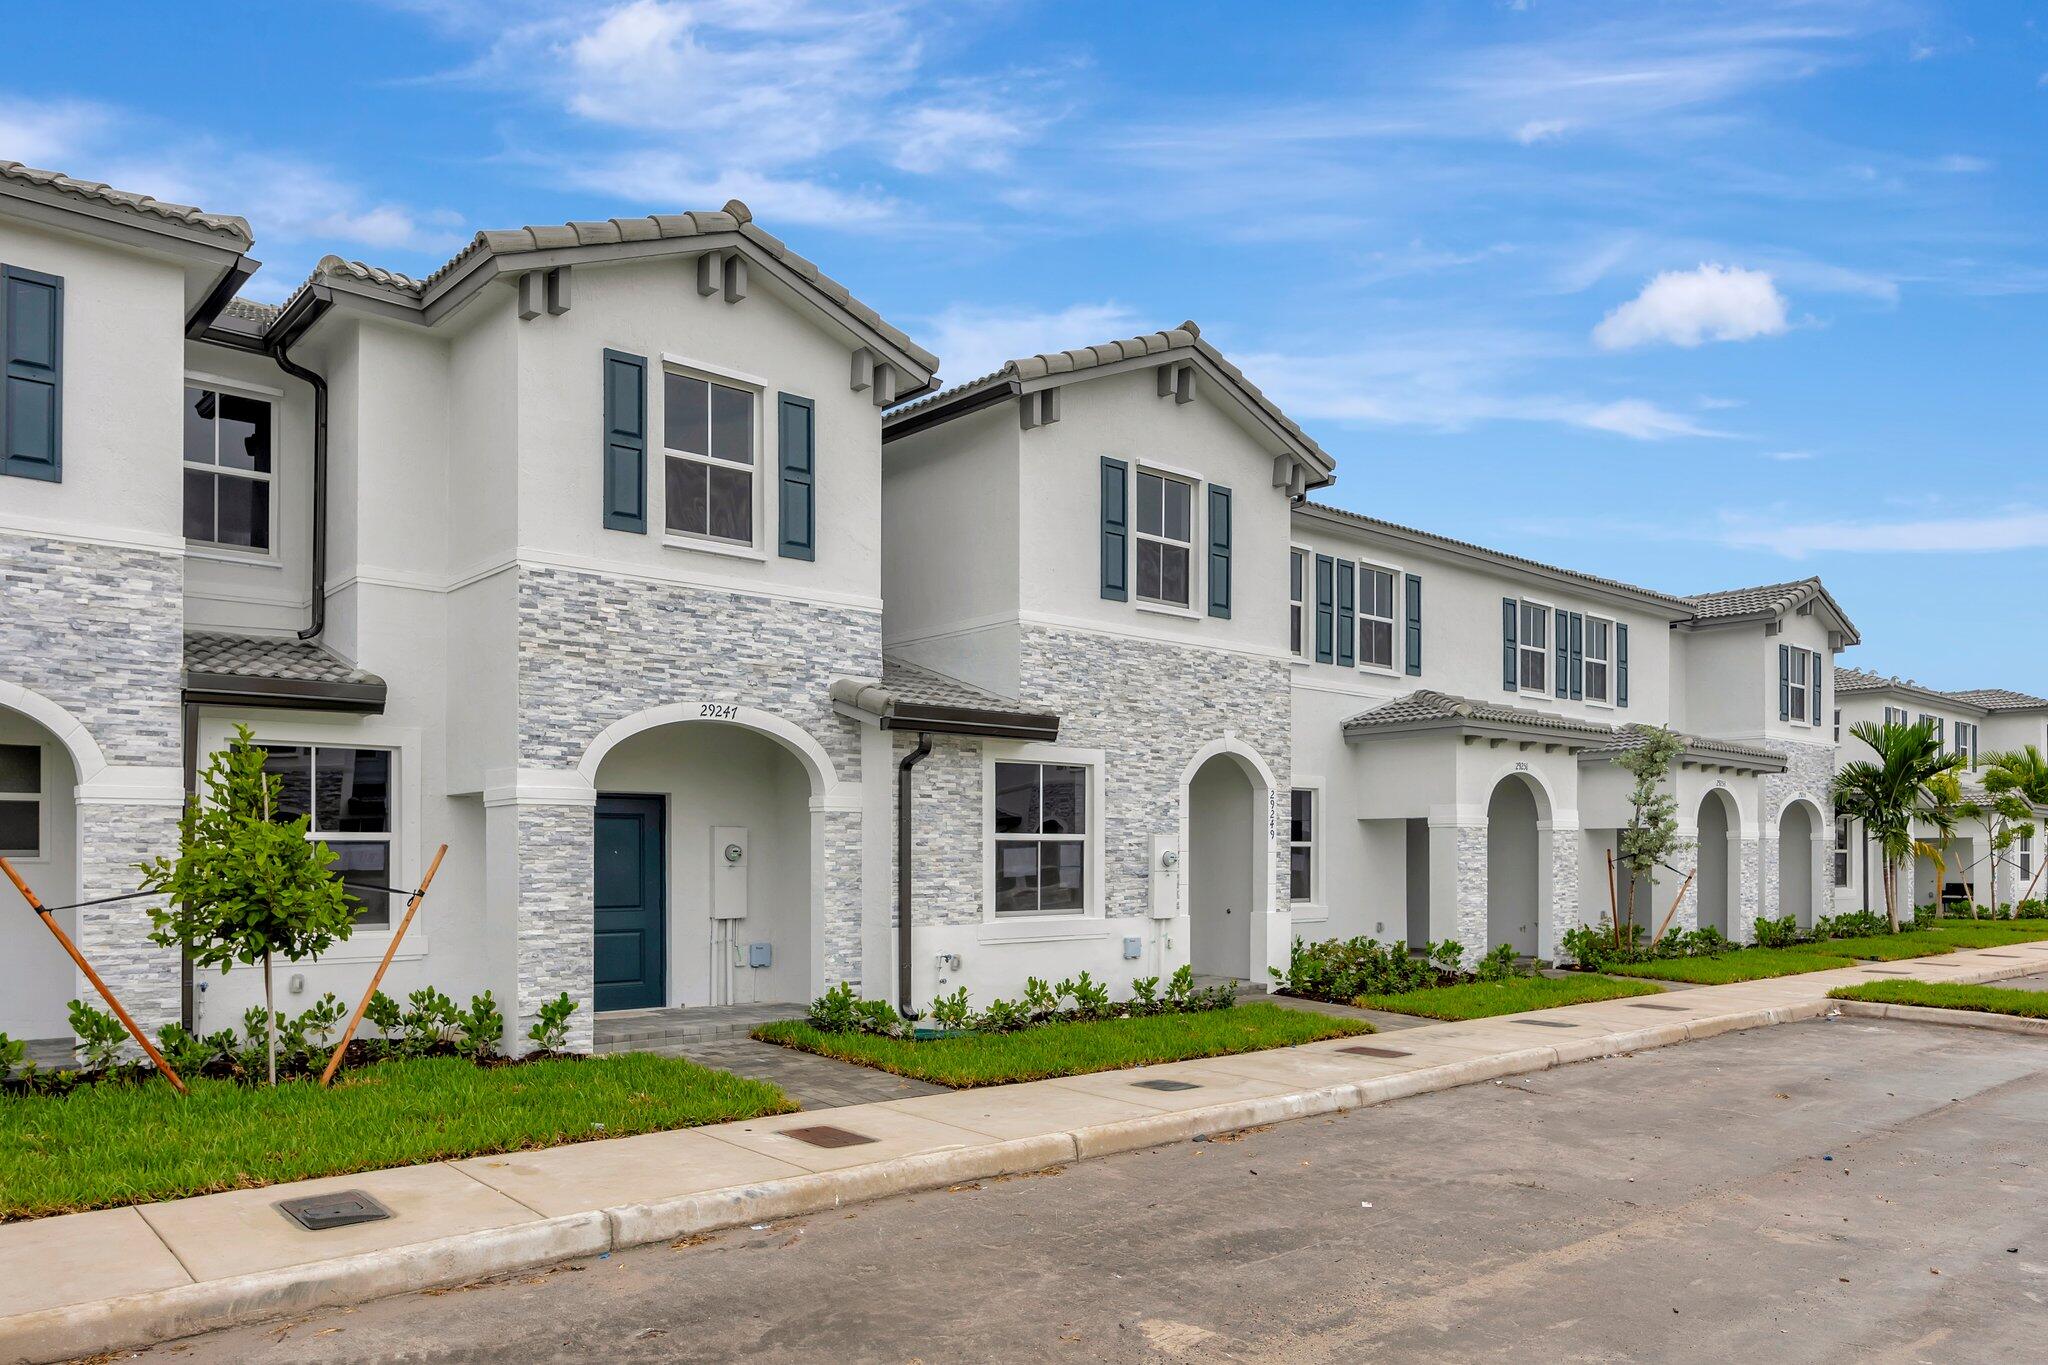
(796, 434)
(1813, 691)
(625, 442)
(32, 386)
(1413, 650)
(1116, 530)
(1578, 656)
(1784, 682)
(1509, 609)
(1561, 624)
(1347, 619)
(1620, 664)
(1326, 609)
(1219, 551)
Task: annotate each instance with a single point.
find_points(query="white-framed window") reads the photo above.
(1532, 648)
(1039, 827)
(229, 469)
(1966, 741)
(1896, 715)
(1599, 659)
(1796, 677)
(350, 793)
(21, 800)
(1166, 539)
(1301, 845)
(1297, 601)
(2026, 852)
(1376, 608)
(1838, 725)
(1940, 725)
(711, 446)
(1843, 842)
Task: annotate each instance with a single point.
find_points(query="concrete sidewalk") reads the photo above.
(99, 1281)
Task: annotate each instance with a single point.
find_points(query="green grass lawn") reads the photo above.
(119, 1143)
(1947, 995)
(1069, 1049)
(1481, 999)
(1990, 933)
(1888, 947)
(1744, 964)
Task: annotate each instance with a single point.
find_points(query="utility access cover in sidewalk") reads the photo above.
(319, 1212)
(825, 1135)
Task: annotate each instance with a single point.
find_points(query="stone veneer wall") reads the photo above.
(1566, 912)
(1150, 706)
(99, 630)
(1473, 892)
(947, 837)
(595, 649)
(1809, 772)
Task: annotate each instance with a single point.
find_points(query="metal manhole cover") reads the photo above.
(1646, 1005)
(1544, 1023)
(825, 1135)
(1377, 1051)
(343, 1208)
(1166, 1085)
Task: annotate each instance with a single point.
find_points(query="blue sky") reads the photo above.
(1694, 295)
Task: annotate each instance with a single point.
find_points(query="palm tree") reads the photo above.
(2018, 782)
(1944, 806)
(1886, 794)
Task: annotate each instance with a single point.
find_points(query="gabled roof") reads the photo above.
(233, 231)
(265, 670)
(1429, 708)
(1047, 367)
(2000, 699)
(1678, 607)
(1979, 698)
(1767, 602)
(735, 219)
(912, 697)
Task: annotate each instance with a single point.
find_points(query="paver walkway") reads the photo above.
(91, 1282)
(812, 1081)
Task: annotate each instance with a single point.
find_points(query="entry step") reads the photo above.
(636, 1030)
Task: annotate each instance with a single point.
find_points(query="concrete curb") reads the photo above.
(143, 1319)
(1923, 1014)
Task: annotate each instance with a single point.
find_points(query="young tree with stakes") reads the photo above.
(1650, 839)
(246, 886)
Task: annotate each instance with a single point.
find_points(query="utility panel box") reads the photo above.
(760, 955)
(1165, 876)
(729, 858)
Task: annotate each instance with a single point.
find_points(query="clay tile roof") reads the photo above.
(1860, 680)
(250, 310)
(1430, 705)
(233, 230)
(1749, 601)
(252, 656)
(908, 682)
(1630, 737)
(2000, 699)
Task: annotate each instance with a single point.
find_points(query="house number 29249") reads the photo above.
(718, 710)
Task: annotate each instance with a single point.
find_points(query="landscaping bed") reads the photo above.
(1068, 1048)
(128, 1142)
(1948, 995)
(1484, 999)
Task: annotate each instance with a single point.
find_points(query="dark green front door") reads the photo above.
(632, 939)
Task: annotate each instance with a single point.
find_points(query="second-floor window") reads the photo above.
(708, 439)
(1797, 683)
(1966, 741)
(1375, 617)
(1166, 538)
(1297, 601)
(227, 470)
(1599, 658)
(1896, 715)
(1534, 647)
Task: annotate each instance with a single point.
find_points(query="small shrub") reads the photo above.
(1851, 924)
(551, 1023)
(1776, 933)
(2031, 909)
(188, 1054)
(430, 1020)
(385, 1014)
(950, 1011)
(100, 1036)
(1220, 996)
(13, 1055)
(1090, 997)
(479, 1028)
(1003, 1016)
(833, 1012)
(303, 1039)
(1144, 996)
(1179, 987)
(1040, 1000)
(1499, 964)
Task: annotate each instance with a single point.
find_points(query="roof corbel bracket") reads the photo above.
(884, 384)
(1184, 385)
(530, 302)
(735, 277)
(710, 273)
(1038, 409)
(1283, 472)
(863, 369)
(558, 291)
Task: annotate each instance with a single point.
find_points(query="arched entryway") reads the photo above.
(704, 844)
(1514, 897)
(1713, 886)
(1223, 835)
(1795, 863)
(39, 773)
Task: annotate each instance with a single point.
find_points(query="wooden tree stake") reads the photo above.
(134, 1030)
(355, 1020)
(1676, 902)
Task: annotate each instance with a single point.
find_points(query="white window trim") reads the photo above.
(1395, 623)
(1799, 662)
(1315, 907)
(369, 943)
(658, 421)
(1548, 651)
(1607, 702)
(271, 557)
(1306, 603)
(1196, 561)
(1843, 846)
(1049, 924)
(41, 797)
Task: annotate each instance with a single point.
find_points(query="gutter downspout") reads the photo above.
(281, 354)
(903, 870)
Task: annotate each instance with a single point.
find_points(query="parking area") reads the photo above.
(1831, 1190)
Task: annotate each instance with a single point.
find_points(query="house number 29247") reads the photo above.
(718, 710)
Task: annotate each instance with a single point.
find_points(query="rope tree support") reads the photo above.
(134, 1030)
(356, 1019)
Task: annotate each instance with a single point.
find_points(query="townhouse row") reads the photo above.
(648, 569)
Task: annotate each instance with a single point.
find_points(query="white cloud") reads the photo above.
(1685, 308)
(1638, 419)
(48, 134)
(1789, 456)
(937, 137)
(1541, 130)
(1958, 163)
(971, 342)
(668, 177)
(2019, 528)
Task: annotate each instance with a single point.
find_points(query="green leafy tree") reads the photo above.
(2018, 782)
(1887, 793)
(246, 886)
(1650, 839)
